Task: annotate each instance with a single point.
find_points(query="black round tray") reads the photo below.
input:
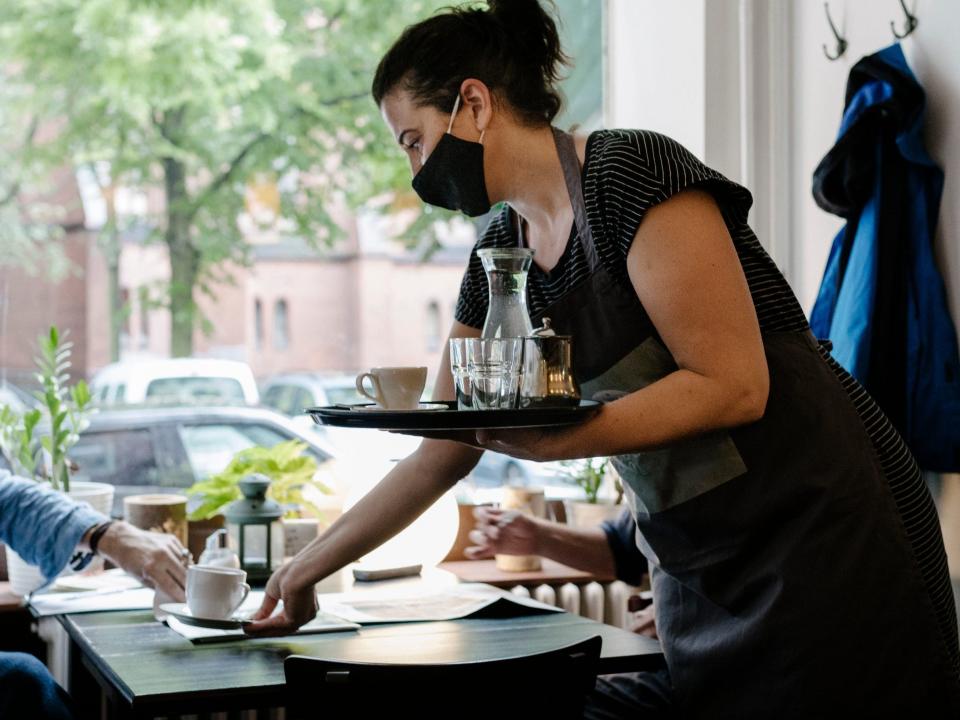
(451, 418)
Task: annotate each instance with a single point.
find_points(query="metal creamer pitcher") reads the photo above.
(547, 379)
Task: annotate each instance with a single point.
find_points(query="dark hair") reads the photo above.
(512, 46)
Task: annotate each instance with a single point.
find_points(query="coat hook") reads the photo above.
(841, 41)
(910, 26)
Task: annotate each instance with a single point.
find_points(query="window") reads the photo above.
(344, 395)
(300, 399)
(581, 32)
(281, 326)
(211, 447)
(144, 322)
(434, 330)
(278, 397)
(126, 459)
(193, 390)
(258, 324)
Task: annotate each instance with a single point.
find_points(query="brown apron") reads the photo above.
(784, 582)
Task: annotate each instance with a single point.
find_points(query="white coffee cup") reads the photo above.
(215, 592)
(394, 388)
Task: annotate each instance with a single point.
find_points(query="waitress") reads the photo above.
(796, 559)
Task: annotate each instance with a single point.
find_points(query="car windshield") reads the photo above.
(196, 390)
(211, 447)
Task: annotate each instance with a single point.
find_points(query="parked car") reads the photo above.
(175, 381)
(291, 393)
(15, 397)
(167, 449)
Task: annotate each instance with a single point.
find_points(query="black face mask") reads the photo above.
(452, 177)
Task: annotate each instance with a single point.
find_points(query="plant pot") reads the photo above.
(98, 495)
(583, 514)
(24, 577)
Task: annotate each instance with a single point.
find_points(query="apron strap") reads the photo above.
(571, 175)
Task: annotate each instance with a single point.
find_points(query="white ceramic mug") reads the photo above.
(215, 592)
(394, 388)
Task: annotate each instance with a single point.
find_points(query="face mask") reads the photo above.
(452, 177)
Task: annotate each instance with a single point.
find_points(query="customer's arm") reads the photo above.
(44, 527)
(512, 533)
(49, 530)
(608, 549)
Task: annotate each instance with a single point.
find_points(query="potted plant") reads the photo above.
(36, 442)
(591, 475)
(295, 485)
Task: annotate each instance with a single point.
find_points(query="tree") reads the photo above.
(197, 97)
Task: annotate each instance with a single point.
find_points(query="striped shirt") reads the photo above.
(625, 173)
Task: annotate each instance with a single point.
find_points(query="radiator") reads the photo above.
(605, 603)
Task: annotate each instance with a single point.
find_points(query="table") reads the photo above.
(145, 669)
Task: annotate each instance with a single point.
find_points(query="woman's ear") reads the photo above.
(478, 102)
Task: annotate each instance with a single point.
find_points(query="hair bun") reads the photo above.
(535, 32)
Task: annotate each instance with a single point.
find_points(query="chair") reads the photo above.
(551, 684)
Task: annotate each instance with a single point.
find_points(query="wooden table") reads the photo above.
(145, 669)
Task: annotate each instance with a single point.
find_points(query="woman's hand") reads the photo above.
(299, 605)
(506, 532)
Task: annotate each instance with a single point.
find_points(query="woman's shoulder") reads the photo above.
(645, 151)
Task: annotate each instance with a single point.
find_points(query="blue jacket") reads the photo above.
(882, 302)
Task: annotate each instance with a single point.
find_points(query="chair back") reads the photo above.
(550, 684)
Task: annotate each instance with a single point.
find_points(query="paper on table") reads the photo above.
(59, 603)
(460, 601)
(323, 623)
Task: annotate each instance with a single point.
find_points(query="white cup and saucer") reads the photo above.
(395, 389)
(214, 594)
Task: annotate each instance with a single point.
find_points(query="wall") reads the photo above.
(818, 91)
(933, 52)
(656, 68)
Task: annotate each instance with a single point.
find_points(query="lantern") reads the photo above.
(254, 527)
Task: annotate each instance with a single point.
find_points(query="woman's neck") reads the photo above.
(528, 175)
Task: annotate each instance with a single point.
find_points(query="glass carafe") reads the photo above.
(506, 269)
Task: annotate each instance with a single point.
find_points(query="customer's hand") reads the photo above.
(159, 560)
(506, 532)
(299, 605)
(641, 619)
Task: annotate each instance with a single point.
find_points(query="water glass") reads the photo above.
(493, 365)
(461, 377)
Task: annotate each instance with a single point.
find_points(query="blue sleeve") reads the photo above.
(629, 562)
(43, 526)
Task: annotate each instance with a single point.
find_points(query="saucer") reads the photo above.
(182, 613)
(422, 407)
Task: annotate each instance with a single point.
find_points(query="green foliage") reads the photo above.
(66, 412)
(197, 100)
(290, 471)
(588, 474)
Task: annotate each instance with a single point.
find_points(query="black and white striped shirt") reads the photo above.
(626, 172)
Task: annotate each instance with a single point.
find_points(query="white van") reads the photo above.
(175, 381)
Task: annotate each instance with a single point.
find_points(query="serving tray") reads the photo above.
(450, 418)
